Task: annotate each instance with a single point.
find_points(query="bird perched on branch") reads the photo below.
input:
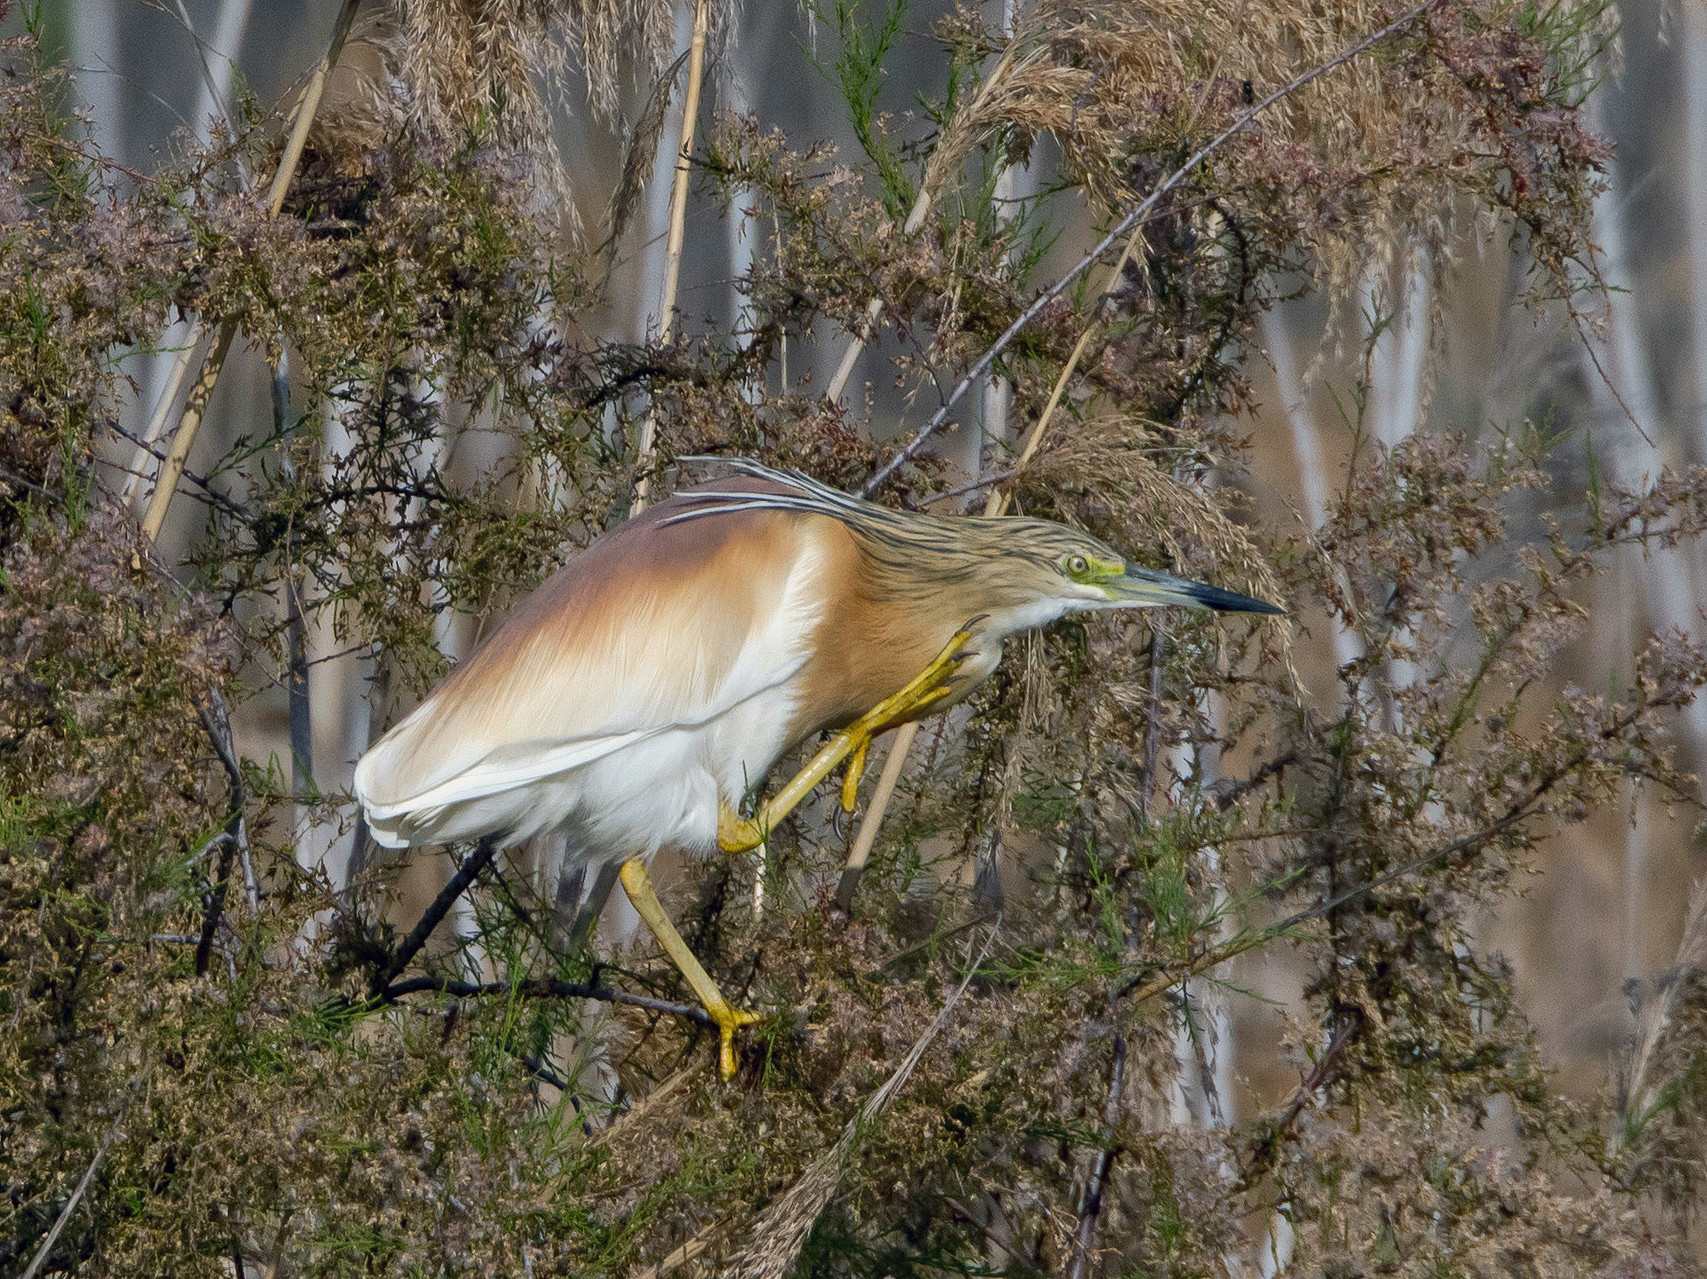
(634, 700)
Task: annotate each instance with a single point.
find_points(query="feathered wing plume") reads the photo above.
(815, 495)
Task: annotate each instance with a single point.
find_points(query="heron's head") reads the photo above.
(1032, 571)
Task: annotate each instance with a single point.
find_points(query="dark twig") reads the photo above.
(542, 1071)
(545, 988)
(931, 942)
(975, 375)
(216, 720)
(82, 1186)
(1153, 734)
(214, 496)
(982, 482)
(1229, 792)
(12, 477)
(466, 874)
(224, 837)
(1085, 1235)
(1326, 1070)
(296, 624)
(1002, 1238)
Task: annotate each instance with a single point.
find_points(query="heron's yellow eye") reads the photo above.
(1077, 565)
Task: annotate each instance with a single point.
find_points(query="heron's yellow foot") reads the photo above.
(920, 693)
(735, 834)
(930, 686)
(856, 770)
(918, 696)
(729, 1020)
(638, 885)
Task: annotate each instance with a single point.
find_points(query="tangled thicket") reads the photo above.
(209, 1024)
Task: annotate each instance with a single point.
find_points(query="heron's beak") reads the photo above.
(1146, 588)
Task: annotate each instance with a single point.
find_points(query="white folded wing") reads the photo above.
(654, 629)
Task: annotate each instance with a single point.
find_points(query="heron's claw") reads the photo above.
(856, 770)
(920, 693)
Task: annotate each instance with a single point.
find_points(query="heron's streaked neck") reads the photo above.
(927, 577)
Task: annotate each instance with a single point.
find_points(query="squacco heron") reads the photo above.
(632, 701)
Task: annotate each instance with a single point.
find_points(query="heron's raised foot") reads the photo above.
(737, 834)
(914, 701)
(924, 690)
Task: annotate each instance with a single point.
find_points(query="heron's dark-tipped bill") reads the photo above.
(1147, 588)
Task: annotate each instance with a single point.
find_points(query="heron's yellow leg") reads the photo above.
(737, 834)
(638, 885)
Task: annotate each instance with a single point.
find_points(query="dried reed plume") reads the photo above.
(493, 69)
(1662, 1087)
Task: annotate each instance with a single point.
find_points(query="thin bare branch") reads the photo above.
(82, 1186)
(646, 452)
(466, 874)
(216, 721)
(866, 836)
(782, 1228)
(1153, 733)
(997, 503)
(181, 361)
(195, 408)
(1084, 1236)
(976, 374)
(545, 988)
